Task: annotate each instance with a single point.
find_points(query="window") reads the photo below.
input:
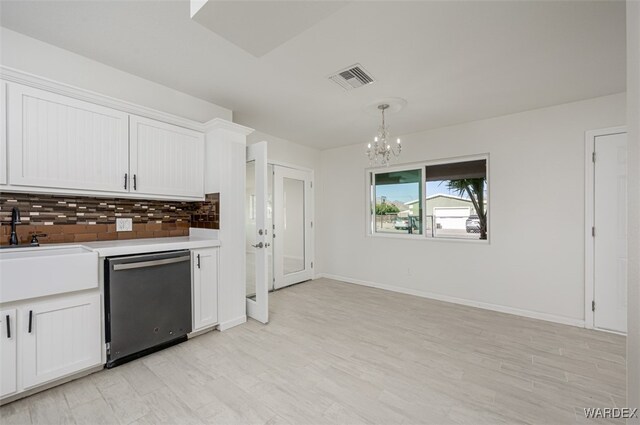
(398, 206)
(434, 200)
(456, 200)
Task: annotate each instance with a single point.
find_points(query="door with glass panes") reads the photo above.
(292, 226)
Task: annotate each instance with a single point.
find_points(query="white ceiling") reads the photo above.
(452, 61)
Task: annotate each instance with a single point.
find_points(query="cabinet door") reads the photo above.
(59, 142)
(166, 160)
(8, 367)
(3, 132)
(205, 287)
(64, 337)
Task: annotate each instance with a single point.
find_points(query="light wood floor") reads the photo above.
(345, 354)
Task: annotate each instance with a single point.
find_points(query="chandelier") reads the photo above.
(380, 151)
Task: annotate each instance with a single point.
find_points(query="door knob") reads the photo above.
(258, 245)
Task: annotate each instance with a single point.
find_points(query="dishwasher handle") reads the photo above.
(152, 263)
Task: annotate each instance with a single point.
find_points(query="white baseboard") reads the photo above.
(223, 326)
(201, 331)
(478, 304)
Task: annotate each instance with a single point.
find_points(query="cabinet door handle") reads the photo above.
(30, 320)
(135, 185)
(198, 260)
(8, 326)
(126, 176)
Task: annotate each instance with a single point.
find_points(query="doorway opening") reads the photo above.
(290, 215)
(279, 228)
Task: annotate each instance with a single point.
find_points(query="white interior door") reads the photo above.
(257, 232)
(610, 241)
(292, 235)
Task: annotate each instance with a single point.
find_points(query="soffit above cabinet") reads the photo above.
(16, 76)
(258, 27)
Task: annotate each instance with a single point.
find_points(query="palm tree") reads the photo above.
(474, 188)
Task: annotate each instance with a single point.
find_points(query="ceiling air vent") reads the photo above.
(352, 77)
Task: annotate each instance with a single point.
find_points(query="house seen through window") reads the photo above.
(456, 200)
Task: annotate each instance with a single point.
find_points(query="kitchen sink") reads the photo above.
(46, 270)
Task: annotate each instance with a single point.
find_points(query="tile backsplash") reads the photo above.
(84, 219)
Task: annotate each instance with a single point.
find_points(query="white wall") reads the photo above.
(535, 260)
(45, 60)
(284, 151)
(633, 119)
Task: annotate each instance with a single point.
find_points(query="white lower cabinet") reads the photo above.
(8, 352)
(49, 340)
(204, 266)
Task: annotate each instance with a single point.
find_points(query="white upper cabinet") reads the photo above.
(166, 159)
(59, 142)
(3, 132)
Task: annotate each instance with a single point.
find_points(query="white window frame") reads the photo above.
(370, 199)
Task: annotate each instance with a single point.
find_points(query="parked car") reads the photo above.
(473, 224)
(404, 223)
(401, 223)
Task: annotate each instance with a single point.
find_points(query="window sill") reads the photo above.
(423, 238)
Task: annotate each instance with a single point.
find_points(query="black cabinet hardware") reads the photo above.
(30, 320)
(135, 185)
(8, 326)
(125, 180)
(198, 260)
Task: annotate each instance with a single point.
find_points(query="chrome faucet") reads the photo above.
(15, 219)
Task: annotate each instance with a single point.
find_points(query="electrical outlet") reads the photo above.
(124, 224)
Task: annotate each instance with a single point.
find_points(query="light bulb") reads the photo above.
(369, 146)
(388, 147)
(375, 139)
(398, 141)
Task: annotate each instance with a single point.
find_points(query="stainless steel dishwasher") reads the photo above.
(147, 302)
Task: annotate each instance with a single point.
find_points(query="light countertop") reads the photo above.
(139, 246)
(198, 238)
(111, 248)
